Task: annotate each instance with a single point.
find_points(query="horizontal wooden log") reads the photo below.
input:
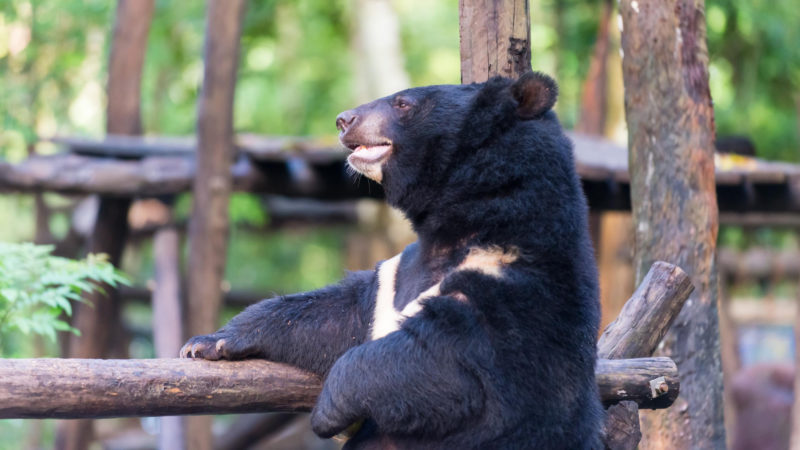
(315, 168)
(91, 388)
(75, 174)
(86, 388)
(650, 382)
(758, 263)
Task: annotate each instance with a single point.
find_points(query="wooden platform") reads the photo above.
(315, 168)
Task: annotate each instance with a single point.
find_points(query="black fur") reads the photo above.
(476, 166)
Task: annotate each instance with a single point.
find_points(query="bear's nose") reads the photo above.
(344, 120)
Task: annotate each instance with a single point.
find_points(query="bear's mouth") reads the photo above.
(369, 153)
(367, 159)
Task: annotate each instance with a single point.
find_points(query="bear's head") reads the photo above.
(436, 146)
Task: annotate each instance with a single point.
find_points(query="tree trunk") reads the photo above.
(208, 230)
(495, 39)
(671, 139)
(98, 318)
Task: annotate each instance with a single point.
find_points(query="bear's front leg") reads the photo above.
(309, 330)
(219, 345)
(415, 380)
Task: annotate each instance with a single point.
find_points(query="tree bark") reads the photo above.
(671, 139)
(98, 318)
(91, 388)
(495, 39)
(208, 230)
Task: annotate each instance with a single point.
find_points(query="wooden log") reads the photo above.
(622, 426)
(150, 167)
(90, 388)
(758, 263)
(652, 383)
(646, 317)
(640, 326)
(674, 201)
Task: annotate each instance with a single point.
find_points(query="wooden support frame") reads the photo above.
(96, 388)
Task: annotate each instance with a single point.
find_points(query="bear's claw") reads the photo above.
(203, 347)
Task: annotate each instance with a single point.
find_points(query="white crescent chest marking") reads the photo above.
(385, 319)
(489, 261)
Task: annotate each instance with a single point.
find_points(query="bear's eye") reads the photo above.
(402, 103)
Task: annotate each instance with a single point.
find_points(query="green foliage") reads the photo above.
(36, 288)
(755, 72)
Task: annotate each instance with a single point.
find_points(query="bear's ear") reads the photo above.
(535, 94)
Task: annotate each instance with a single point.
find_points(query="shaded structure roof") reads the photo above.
(315, 168)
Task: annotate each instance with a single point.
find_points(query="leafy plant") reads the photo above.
(36, 288)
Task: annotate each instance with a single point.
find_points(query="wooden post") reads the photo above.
(167, 318)
(495, 39)
(671, 140)
(208, 229)
(98, 318)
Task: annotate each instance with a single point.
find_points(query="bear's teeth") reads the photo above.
(369, 153)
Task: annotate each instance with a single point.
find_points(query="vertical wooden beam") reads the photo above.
(98, 318)
(671, 140)
(495, 39)
(729, 351)
(208, 229)
(167, 318)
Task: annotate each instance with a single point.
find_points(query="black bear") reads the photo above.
(481, 334)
